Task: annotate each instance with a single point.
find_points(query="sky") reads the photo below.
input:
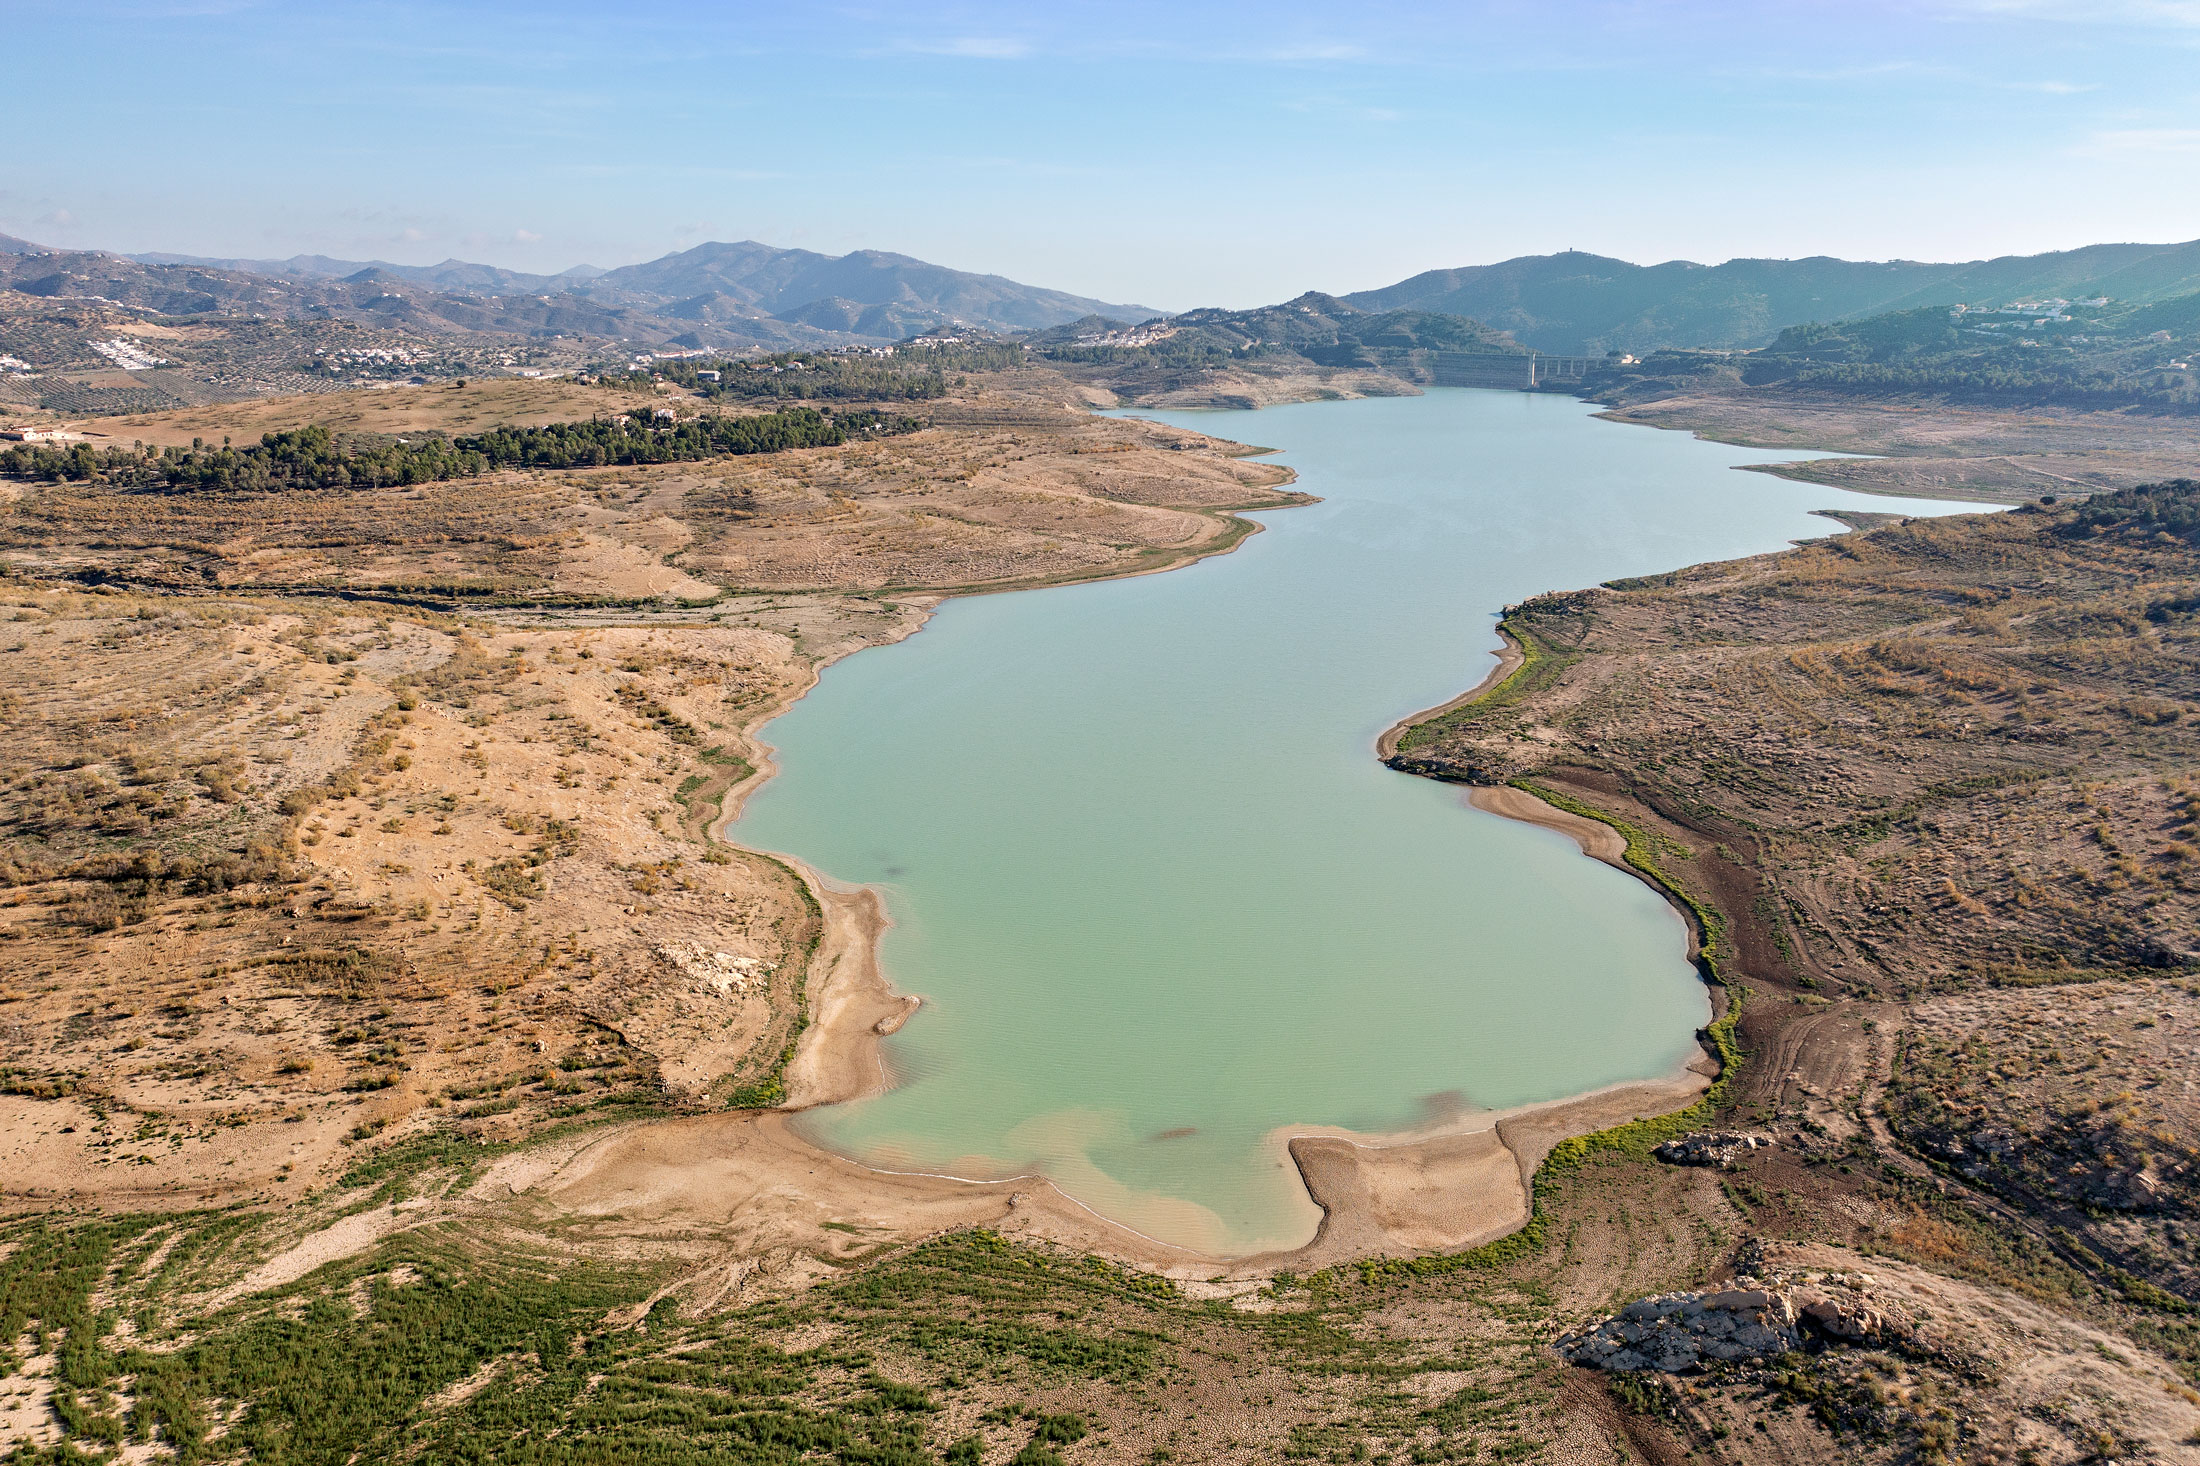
(1165, 155)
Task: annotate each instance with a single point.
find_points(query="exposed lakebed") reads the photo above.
(1160, 899)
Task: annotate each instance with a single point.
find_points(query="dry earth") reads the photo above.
(358, 951)
(1936, 450)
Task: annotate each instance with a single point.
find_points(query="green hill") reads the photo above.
(1315, 328)
(1577, 303)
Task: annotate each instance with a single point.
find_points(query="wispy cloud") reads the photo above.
(982, 48)
(1340, 109)
(1313, 51)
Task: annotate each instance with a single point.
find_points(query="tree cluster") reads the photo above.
(911, 374)
(622, 440)
(315, 458)
(2170, 508)
(308, 458)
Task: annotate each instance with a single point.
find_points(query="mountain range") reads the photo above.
(714, 295)
(728, 296)
(1583, 303)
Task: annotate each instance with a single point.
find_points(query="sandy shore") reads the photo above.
(1598, 840)
(1509, 659)
(756, 1183)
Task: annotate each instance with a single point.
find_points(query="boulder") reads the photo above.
(1857, 1319)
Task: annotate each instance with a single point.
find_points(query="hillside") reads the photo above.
(2103, 354)
(1578, 302)
(91, 332)
(371, 297)
(868, 292)
(1316, 345)
(783, 282)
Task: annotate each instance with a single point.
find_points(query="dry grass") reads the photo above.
(444, 407)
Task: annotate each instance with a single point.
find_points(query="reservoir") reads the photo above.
(1160, 899)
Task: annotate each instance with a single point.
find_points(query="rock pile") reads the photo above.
(1721, 1148)
(1679, 1332)
(1856, 1318)
(723, 972)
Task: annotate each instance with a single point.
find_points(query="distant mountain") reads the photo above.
(372, 296)
(869, 293)
(1583, 303)
(715, 296)
(798, 284)
(456, 276)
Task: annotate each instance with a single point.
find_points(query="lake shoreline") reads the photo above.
(1510, 658)
(1431, 1189)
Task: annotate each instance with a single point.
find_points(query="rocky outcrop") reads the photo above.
(1720, 1148)
(1676, 1333)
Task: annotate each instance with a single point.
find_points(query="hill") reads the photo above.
(868, 293)
(1316, 345)
(1583, 303)
(782, 282)
(2092, 355)
(220, 333)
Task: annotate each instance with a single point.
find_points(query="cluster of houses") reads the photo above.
(1135, 336)
(127, 354)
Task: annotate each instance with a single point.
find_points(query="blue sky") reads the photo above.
(1165, 154)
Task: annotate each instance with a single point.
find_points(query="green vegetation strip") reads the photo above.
(1539, 668)
(912, 373)
(316, 458)
(770, 1088)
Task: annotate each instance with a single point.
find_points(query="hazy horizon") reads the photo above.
(1210, 155)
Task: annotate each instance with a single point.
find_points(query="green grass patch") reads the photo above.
(1539, 667)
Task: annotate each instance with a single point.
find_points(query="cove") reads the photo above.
(1159, 897)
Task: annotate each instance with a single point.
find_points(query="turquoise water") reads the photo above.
(1159, 897)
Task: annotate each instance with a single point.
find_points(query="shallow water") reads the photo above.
(1158, 895)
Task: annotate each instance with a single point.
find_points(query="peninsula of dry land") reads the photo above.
(1932, 791)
